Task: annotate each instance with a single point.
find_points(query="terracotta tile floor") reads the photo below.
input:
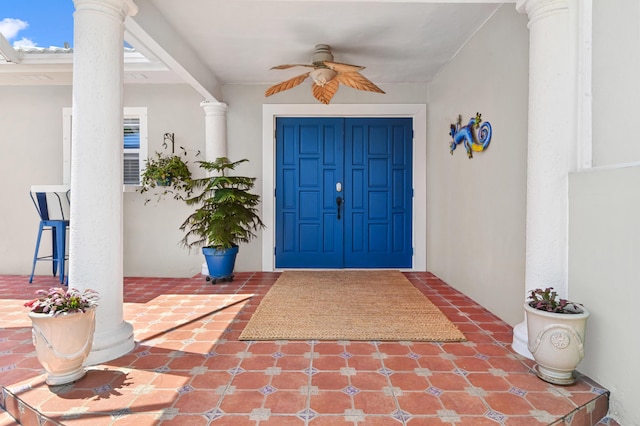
(189, 368)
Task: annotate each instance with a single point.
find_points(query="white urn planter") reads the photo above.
(556, 341)
(63, 343)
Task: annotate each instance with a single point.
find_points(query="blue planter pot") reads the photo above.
(220, 262)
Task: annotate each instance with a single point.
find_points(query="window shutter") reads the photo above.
(131, 150)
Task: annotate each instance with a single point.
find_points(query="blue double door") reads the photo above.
(344, 193)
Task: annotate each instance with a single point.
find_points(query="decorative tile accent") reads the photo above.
(517, 391)
(482, 356)
(598, 391)
(494, 415)
(163, 369)
(210, 354)
(307, 414)
(413, 355)
(351, 390)
(102, 389)
(385, 371)
(236, 370)
(7, 368)
(461, 372)
(310, 371)
(118, 414)
(185, 389)
(143, 353)
(448, 416)
(432, 390)
(214, 414)
(267, 390)
(345, 355)
(401, 415)
(277, 355)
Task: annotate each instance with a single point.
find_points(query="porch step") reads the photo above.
(592, 413)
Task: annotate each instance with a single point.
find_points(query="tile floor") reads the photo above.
(189, 368)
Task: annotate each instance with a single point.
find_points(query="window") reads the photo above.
(134, 142)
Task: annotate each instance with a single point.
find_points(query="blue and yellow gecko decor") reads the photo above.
(466, 135)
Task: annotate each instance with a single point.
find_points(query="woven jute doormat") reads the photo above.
(348, 305)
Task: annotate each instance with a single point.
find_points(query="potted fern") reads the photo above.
(169, 173)
(556, 331)
(226, 214)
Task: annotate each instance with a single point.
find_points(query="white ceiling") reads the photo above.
(209, 43)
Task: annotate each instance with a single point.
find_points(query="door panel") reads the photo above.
(372, 159)
(378, 198)
(309, 160)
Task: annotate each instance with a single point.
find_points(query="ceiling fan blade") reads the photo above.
(343, 68)
(326, 92)
(285, 85)
(287, 66)
(357, 81)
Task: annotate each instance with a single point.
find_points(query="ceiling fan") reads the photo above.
(326, 76)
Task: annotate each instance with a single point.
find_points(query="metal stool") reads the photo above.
(58, 228)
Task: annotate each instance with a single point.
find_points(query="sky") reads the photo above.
(37, 23)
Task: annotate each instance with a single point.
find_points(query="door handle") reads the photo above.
(339, 203)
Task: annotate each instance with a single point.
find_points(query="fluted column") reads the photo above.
(551, 139)
(96, 230)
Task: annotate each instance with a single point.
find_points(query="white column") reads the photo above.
(215, 137)
(96, 231)
(215, 129)
(551, 139)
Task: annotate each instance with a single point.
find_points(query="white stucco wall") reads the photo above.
(604, 207)
(151, 233)
(31, 154)
(32, 144)
(476, 207)
(616, 86)
(604, 241)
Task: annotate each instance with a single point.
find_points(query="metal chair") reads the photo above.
(53, 221)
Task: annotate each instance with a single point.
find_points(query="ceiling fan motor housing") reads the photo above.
(321, 54)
